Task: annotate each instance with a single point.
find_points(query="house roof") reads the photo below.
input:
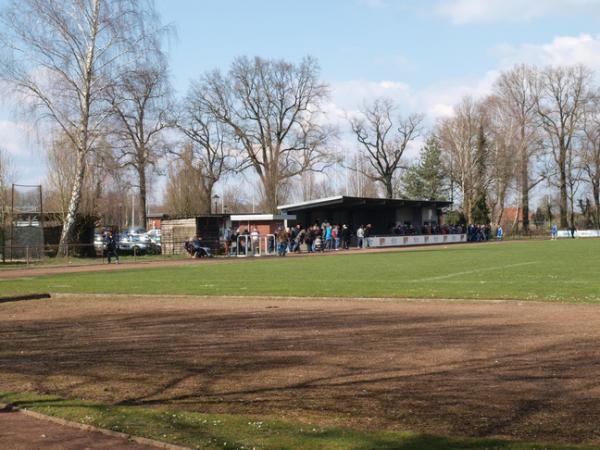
(261, 217)
(359, 202)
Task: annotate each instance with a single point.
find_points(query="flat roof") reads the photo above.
(261, 217)
(343, 200)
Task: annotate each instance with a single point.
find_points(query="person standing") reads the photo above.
(554, 232)
(111, 248)
(255, 241)
(328, 237)
(499, 233)
(308, 239)
(345, 237)
(282, 241)
(367, 235)
(335, 234)
(360, 237)
(299, 239)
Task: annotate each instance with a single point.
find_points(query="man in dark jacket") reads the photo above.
(111, 247)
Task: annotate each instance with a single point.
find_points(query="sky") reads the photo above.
(424, 54)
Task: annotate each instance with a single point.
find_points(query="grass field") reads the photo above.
(82, 261)
(264, 372)
(221, 431)
(543, 270)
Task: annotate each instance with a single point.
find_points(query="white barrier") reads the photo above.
(253, 245)
(405, 241)
(579, 233)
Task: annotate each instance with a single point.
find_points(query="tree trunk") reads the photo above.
(562, 163)
(67, 231)
(207, 190)
(142, 179)
(596, 193)
(389, 187)
(524, 183)
(270, 200)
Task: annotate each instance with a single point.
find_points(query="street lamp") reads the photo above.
(216, 200)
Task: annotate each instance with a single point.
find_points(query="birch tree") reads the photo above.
(384, 138)
(60, 57)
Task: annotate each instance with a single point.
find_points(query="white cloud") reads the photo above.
(562, 50)
(438, 100)
(14, 137)
(396, 62)
(373, 3)
(28, 162)
(435, 101)
(484, 11)
(350, 95)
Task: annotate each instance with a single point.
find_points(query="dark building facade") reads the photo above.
(383, 214)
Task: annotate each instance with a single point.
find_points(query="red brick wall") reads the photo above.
(263, 227)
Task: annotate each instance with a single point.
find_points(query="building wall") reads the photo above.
(174, 233)
(410, 215)
(382, 219)
(263, 227)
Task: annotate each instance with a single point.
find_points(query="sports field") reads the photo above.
(238, 363)
(544, 270)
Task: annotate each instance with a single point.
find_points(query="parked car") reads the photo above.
(154, 236)
(136, 245)
(99, 244)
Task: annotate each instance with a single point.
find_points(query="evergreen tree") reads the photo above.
(425, 180)
(480, 211)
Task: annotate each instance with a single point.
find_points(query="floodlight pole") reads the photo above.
(132, 210)
(42, 219)
(12, 220)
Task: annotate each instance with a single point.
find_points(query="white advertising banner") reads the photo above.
(579, 233)
(402, 241)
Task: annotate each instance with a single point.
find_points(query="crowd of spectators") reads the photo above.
(409, 230)
(479, 233)
(318, 237)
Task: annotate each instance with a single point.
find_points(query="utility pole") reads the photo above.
(132, 209)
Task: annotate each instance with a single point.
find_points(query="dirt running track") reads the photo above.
(516, 370)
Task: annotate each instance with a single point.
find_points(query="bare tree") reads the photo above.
(273, 110)
(561, 103)
(575, 170)
(459, 136)
(183, 193)
(61, 164)
(61, 56)
(311, 186)
(516, 114)
(590, 158)
(209, 147)
(385, 139)
(141, 102)
(359, 177)
(6, 179)
(502, 163)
